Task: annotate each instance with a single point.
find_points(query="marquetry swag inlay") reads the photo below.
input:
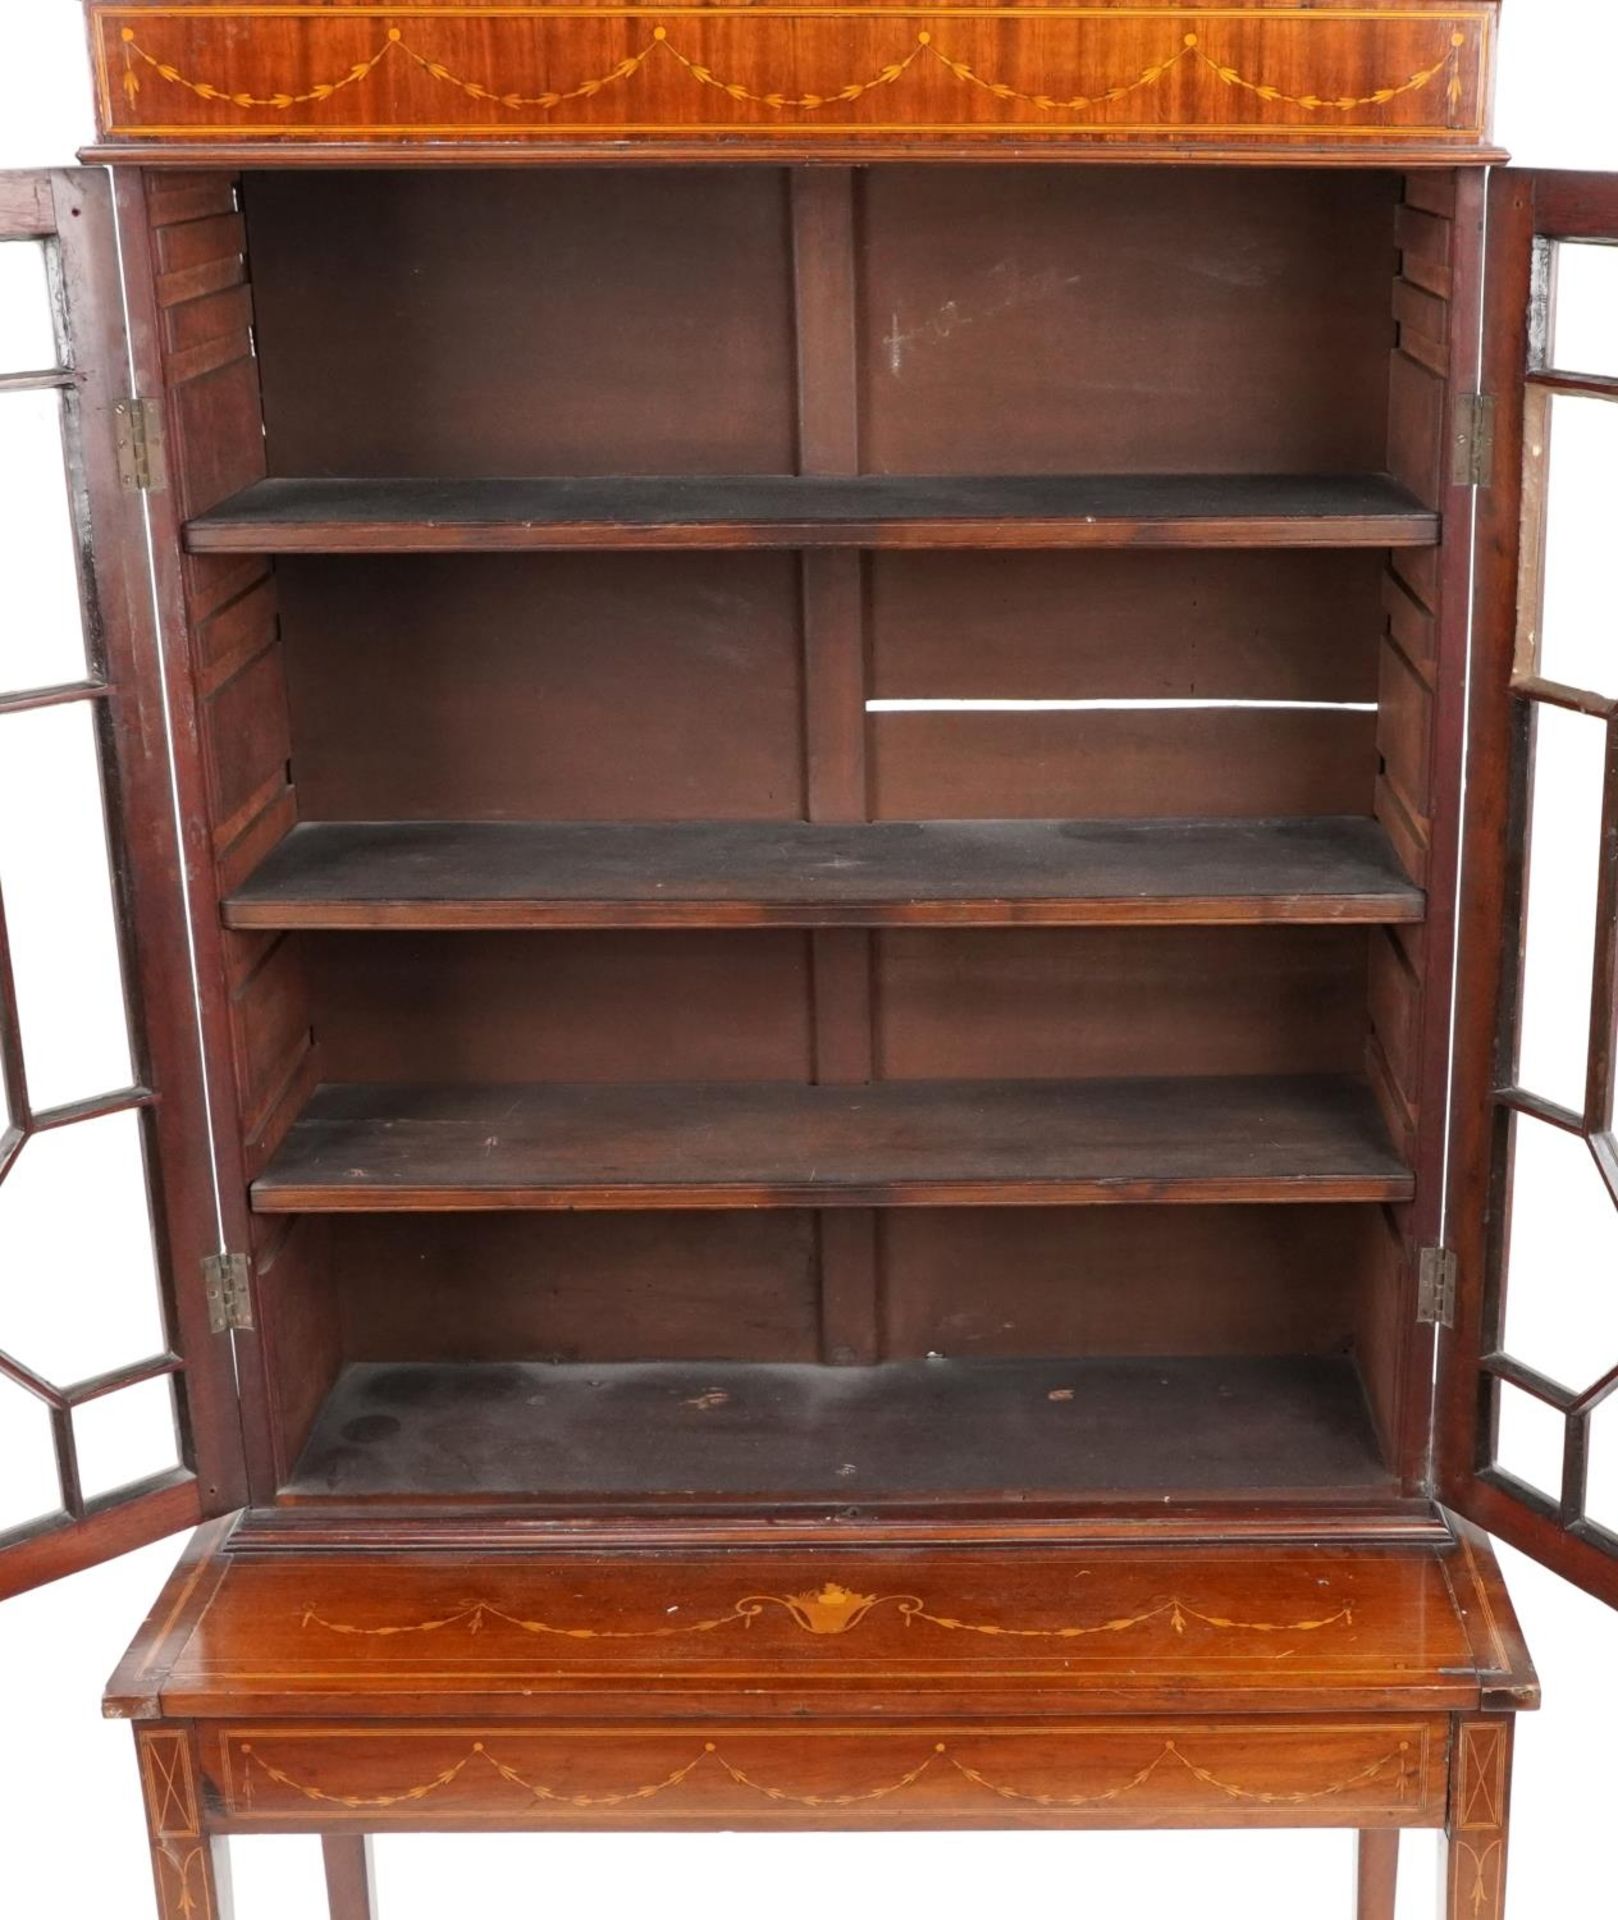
(1191, 48)
(1399, 1766)
(833, 1609)
(501, 71)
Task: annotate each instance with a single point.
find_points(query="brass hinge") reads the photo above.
(1435, 1287)
(139, 430)
(1472, 444)
(230, 1301)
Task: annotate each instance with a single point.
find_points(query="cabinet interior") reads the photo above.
(972, 1177)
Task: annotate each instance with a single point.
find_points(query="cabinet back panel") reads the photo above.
(1055, 1003)
(561, 687)
(1125, 320)
(1125, 626)
(671, 686)
(578, 321)
(1121, 1280)
(726, 1286)
(746, 1286)
(1224, 763)
(640, 321)
(992, 1004)
(571, 1006)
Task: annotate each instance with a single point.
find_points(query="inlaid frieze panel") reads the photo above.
(1105, 1773)
(1399, 76)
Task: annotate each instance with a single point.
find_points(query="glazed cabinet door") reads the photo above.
(118, 1420)
(1529, 1439)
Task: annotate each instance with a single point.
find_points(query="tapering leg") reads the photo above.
(189, 1866)
(350, 1885)
(1479, 1796)
(1377, 1879)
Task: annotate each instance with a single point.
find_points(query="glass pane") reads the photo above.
(1562, 1271)
(78, 1282)
(126, 1436)
(1601, 1482)
(29, 1488)
(27, 316)
(41, 618)
(1564, 844)
(57, 884)
(1578, 621)
(1584, 335)
(1532, 1441)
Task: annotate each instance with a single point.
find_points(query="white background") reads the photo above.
(70, 1819)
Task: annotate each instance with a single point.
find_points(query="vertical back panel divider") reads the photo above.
(825, 242)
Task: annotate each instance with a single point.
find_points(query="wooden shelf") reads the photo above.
(896, 873)
(1003, 1430)
(784, 510)
(387, 1148)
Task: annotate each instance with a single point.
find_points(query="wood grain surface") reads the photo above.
(828, 1628)
(1407, 79)
(894, 1143)
(797, 874)
(320, 515)
(659, 1434)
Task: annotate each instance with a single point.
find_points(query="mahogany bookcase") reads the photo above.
(845, 1149)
